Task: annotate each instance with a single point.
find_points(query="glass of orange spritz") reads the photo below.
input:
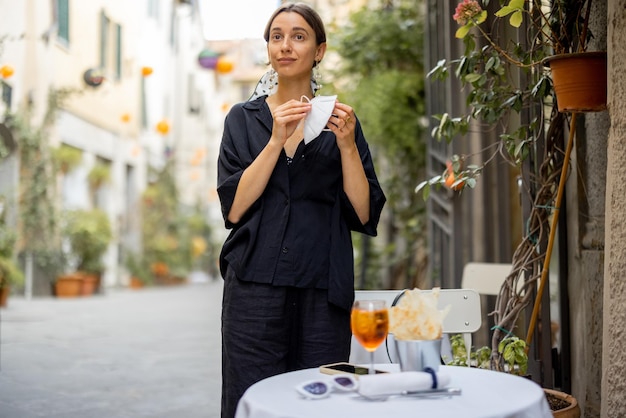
(370, 323)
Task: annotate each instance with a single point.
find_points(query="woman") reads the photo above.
(287, 264)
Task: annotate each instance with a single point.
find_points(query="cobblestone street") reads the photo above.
(152, 352)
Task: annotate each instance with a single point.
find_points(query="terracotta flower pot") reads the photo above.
(579, 81)
(4, 295)
(135, 283)
(90, 284)
(571, 411)
(68, 286)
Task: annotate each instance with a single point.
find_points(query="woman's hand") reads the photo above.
(287, 116)
(342, 124)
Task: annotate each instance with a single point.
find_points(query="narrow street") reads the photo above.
(152, 352)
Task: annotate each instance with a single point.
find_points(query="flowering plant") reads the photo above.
(509, 96)
(502, 71)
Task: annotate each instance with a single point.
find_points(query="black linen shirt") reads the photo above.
(298, 232)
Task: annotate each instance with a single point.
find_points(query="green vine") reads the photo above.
(38, 229)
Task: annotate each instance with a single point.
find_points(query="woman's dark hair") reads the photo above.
(308, 14)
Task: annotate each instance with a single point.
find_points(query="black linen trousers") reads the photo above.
(268, 330)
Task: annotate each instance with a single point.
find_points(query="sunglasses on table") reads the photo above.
(319, 389)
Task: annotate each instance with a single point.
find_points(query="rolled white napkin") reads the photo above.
(396, 383)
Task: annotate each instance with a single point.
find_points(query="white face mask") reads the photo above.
(321, 110)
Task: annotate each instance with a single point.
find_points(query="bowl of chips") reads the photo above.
(416, 323)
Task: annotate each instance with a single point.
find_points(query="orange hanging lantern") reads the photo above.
(125, 117)
(163, 127)
(224, 65)
(146, 71)
(6, 71)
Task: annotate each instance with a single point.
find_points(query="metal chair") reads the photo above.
(464, 318)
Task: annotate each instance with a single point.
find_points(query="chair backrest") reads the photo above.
(485, 278)
(464, 317)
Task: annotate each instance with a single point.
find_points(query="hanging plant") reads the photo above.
(99, 174)
(66, 158)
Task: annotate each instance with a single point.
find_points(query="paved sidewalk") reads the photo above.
(151, 352)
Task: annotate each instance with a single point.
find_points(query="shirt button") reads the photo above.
(285, 250)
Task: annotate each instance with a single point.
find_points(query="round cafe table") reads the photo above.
(485, 394)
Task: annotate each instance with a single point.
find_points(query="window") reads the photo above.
(144, 109)
(63, 21)
(7, 94)
(110, 46)
(194, 96)
(153, 9)
(105, 23)
(118, 51)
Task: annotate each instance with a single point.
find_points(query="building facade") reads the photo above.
(137, 99)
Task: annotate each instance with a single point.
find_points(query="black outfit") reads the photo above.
(288, 264)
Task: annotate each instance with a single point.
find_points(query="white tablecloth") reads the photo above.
(485, 394)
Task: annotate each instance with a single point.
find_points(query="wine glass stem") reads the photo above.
(371, 363)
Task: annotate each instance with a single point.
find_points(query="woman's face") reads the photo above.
(292, 47)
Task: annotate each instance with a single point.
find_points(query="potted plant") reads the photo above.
(139, 270)
(512, 350)
(509, 90)
(10, 276)
(89, 234)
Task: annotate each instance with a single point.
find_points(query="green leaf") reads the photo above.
(481, 17)
(512, 7)
(504, 11)
(419, 186)
(516, 19)
(462, 31)
(471, 78)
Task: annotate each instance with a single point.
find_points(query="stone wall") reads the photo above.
(614, 314)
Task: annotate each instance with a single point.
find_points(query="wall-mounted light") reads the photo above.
(93, 77)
